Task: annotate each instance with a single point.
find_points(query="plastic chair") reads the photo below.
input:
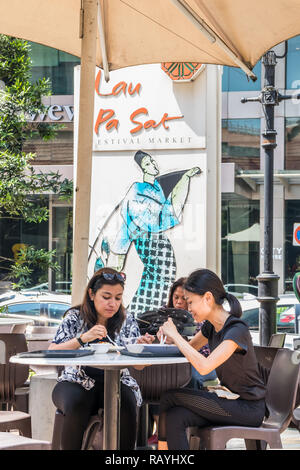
(34, 330)
(13, 328)
(12, 379)
(296, 418)
(10, 419)
(153, 382)
(277, 340)
(281, 393)
(92, 438)
(93, 435)
(18, 328)
(265, 356)
(40, 337)
(9, 441)
(10, 345)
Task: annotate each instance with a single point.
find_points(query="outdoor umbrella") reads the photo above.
(228, 32)
(251, 234)
(119, 33)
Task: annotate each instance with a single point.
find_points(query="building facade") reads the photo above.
(242, 157)
(242, 171)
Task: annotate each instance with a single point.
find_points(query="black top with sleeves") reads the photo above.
(240, 372)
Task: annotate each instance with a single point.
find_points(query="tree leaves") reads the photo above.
(29, 259)
(18, 99)
(22, 188)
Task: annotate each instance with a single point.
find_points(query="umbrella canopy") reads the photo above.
(251, 234)
(120, 33)
(225, 32)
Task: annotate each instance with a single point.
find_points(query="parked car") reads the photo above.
(242, 291)
(44, 308)
(285, 311)
(60, 286)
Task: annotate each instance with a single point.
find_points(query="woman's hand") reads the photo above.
(146, 339)
(159, 334)
(193, 171)
(96, 332)
(169, 329)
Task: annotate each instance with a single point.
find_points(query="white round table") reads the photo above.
(112, 363)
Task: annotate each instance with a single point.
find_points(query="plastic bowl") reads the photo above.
(100, 348)
(135, 348)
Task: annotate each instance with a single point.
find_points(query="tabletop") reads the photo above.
(14, 321)
(110, 360)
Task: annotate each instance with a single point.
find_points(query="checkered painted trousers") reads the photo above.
(157, 255)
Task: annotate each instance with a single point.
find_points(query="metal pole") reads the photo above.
(111, 436)
(268, 281)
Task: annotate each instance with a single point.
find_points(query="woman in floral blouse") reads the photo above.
(79, 391)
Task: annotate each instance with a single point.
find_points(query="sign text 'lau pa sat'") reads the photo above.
(109, 118)
(141, 106)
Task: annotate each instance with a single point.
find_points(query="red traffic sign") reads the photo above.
(296, 236)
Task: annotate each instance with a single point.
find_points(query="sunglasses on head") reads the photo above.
(121, 277)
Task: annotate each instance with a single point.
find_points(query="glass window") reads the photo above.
(56, 65)
(240, 258)
(292, 64)
(292, 143)
(15, 234)
(62, 232)
(241, 142)
(292, 253)
(234, 79)
(56, 311)
(30, 309)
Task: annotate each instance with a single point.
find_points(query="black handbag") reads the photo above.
(150, 321)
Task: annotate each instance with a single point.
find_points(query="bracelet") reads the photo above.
(80, 341)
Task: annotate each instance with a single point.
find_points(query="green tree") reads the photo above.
(19, 182)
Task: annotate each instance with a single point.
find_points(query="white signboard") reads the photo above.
(141, 107)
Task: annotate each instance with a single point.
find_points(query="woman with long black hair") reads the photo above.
(232, 355)
(79, 392)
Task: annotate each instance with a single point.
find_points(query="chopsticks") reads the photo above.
(163, 339)
(109, 338)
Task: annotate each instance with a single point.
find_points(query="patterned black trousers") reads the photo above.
(183, 408)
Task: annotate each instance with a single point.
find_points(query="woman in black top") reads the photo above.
(232, 355)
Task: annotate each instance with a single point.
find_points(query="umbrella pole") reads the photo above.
(82, 192)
